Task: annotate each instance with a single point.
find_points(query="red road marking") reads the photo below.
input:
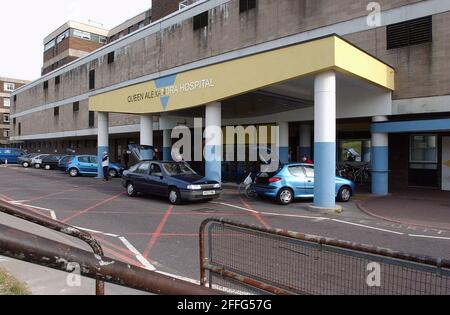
(92, 207)
(257, 215)
(158, 231)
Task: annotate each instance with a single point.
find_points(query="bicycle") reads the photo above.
(246, 187)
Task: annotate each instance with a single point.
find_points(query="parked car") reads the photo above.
(174, 180)
(10, 155)
(294, 181)
(36, 161)
(51, 161)
(25, 160)
(87, 165)
(62, 164)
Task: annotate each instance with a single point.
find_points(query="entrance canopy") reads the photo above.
(224, 80)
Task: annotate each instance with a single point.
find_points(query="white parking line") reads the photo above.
(271, 213)
(368, 227)
(426, 236)
(139, 256)
(144, 262)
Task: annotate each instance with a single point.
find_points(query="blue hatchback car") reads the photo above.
(293, 181)
(10, 154)
(87, 165)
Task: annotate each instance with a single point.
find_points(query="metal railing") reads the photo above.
(37, 250)
(39, 219)
(238, 258)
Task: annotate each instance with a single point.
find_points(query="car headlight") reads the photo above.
(217, 186)
(194, 187)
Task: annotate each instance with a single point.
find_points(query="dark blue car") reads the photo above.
(10, 155)
(174, 180)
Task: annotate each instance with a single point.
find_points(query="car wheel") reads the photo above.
(47, 167)
(73, 172)
(344, 194)
(174, 196)
(26, 164)
(37, 166)
(285, 196)
(131, 191)
(113, 173)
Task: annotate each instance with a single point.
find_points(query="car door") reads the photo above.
(297, 180)
(84, 164)
(309, 180)
(156, 183)
(93, 165)
(140, 177)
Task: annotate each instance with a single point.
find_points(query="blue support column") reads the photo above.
(283, 143)
(380, 161)
(167, 145)
(325, 140)
(103, 140)
(305, 142)
(213, 136)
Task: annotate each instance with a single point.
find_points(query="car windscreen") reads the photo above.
(178, 169)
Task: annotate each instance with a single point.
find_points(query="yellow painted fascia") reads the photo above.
(355, 62)
(250, 73)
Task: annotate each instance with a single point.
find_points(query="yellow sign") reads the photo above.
(231, 78)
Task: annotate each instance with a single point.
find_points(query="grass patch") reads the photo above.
(11, 286)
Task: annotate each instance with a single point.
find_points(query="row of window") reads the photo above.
(9, 87)
(58, 80)
(63, 144)
(77, 34)
(76, 109)
(202, 20)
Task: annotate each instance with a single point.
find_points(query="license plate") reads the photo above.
(209, 193)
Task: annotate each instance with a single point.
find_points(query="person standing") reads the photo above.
(105, 165)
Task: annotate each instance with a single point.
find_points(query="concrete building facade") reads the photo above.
(404, 125)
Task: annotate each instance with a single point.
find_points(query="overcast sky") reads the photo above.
(25, 23)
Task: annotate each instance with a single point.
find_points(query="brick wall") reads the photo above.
(162, 8)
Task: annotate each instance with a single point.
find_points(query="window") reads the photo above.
(6, 118)
(155, 170)
(141, 25)
(19, 131)
(103, 40)
(91, 119)
(15, 98)
(63, 36)
(410, 33)
(9, 87)
(309, 171)
(7, 102)
(81, 34)
(143, 168)
(246, 5)
(93, 159)
(49, 45)
(201, 20)
(76, 107)
(6, 133)
(56, 111)
(91, 79)
(423, 152)
(57, 80)
(14, 121)
(111, 57)
(84, 159)
(297, 171)
(46, 85)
